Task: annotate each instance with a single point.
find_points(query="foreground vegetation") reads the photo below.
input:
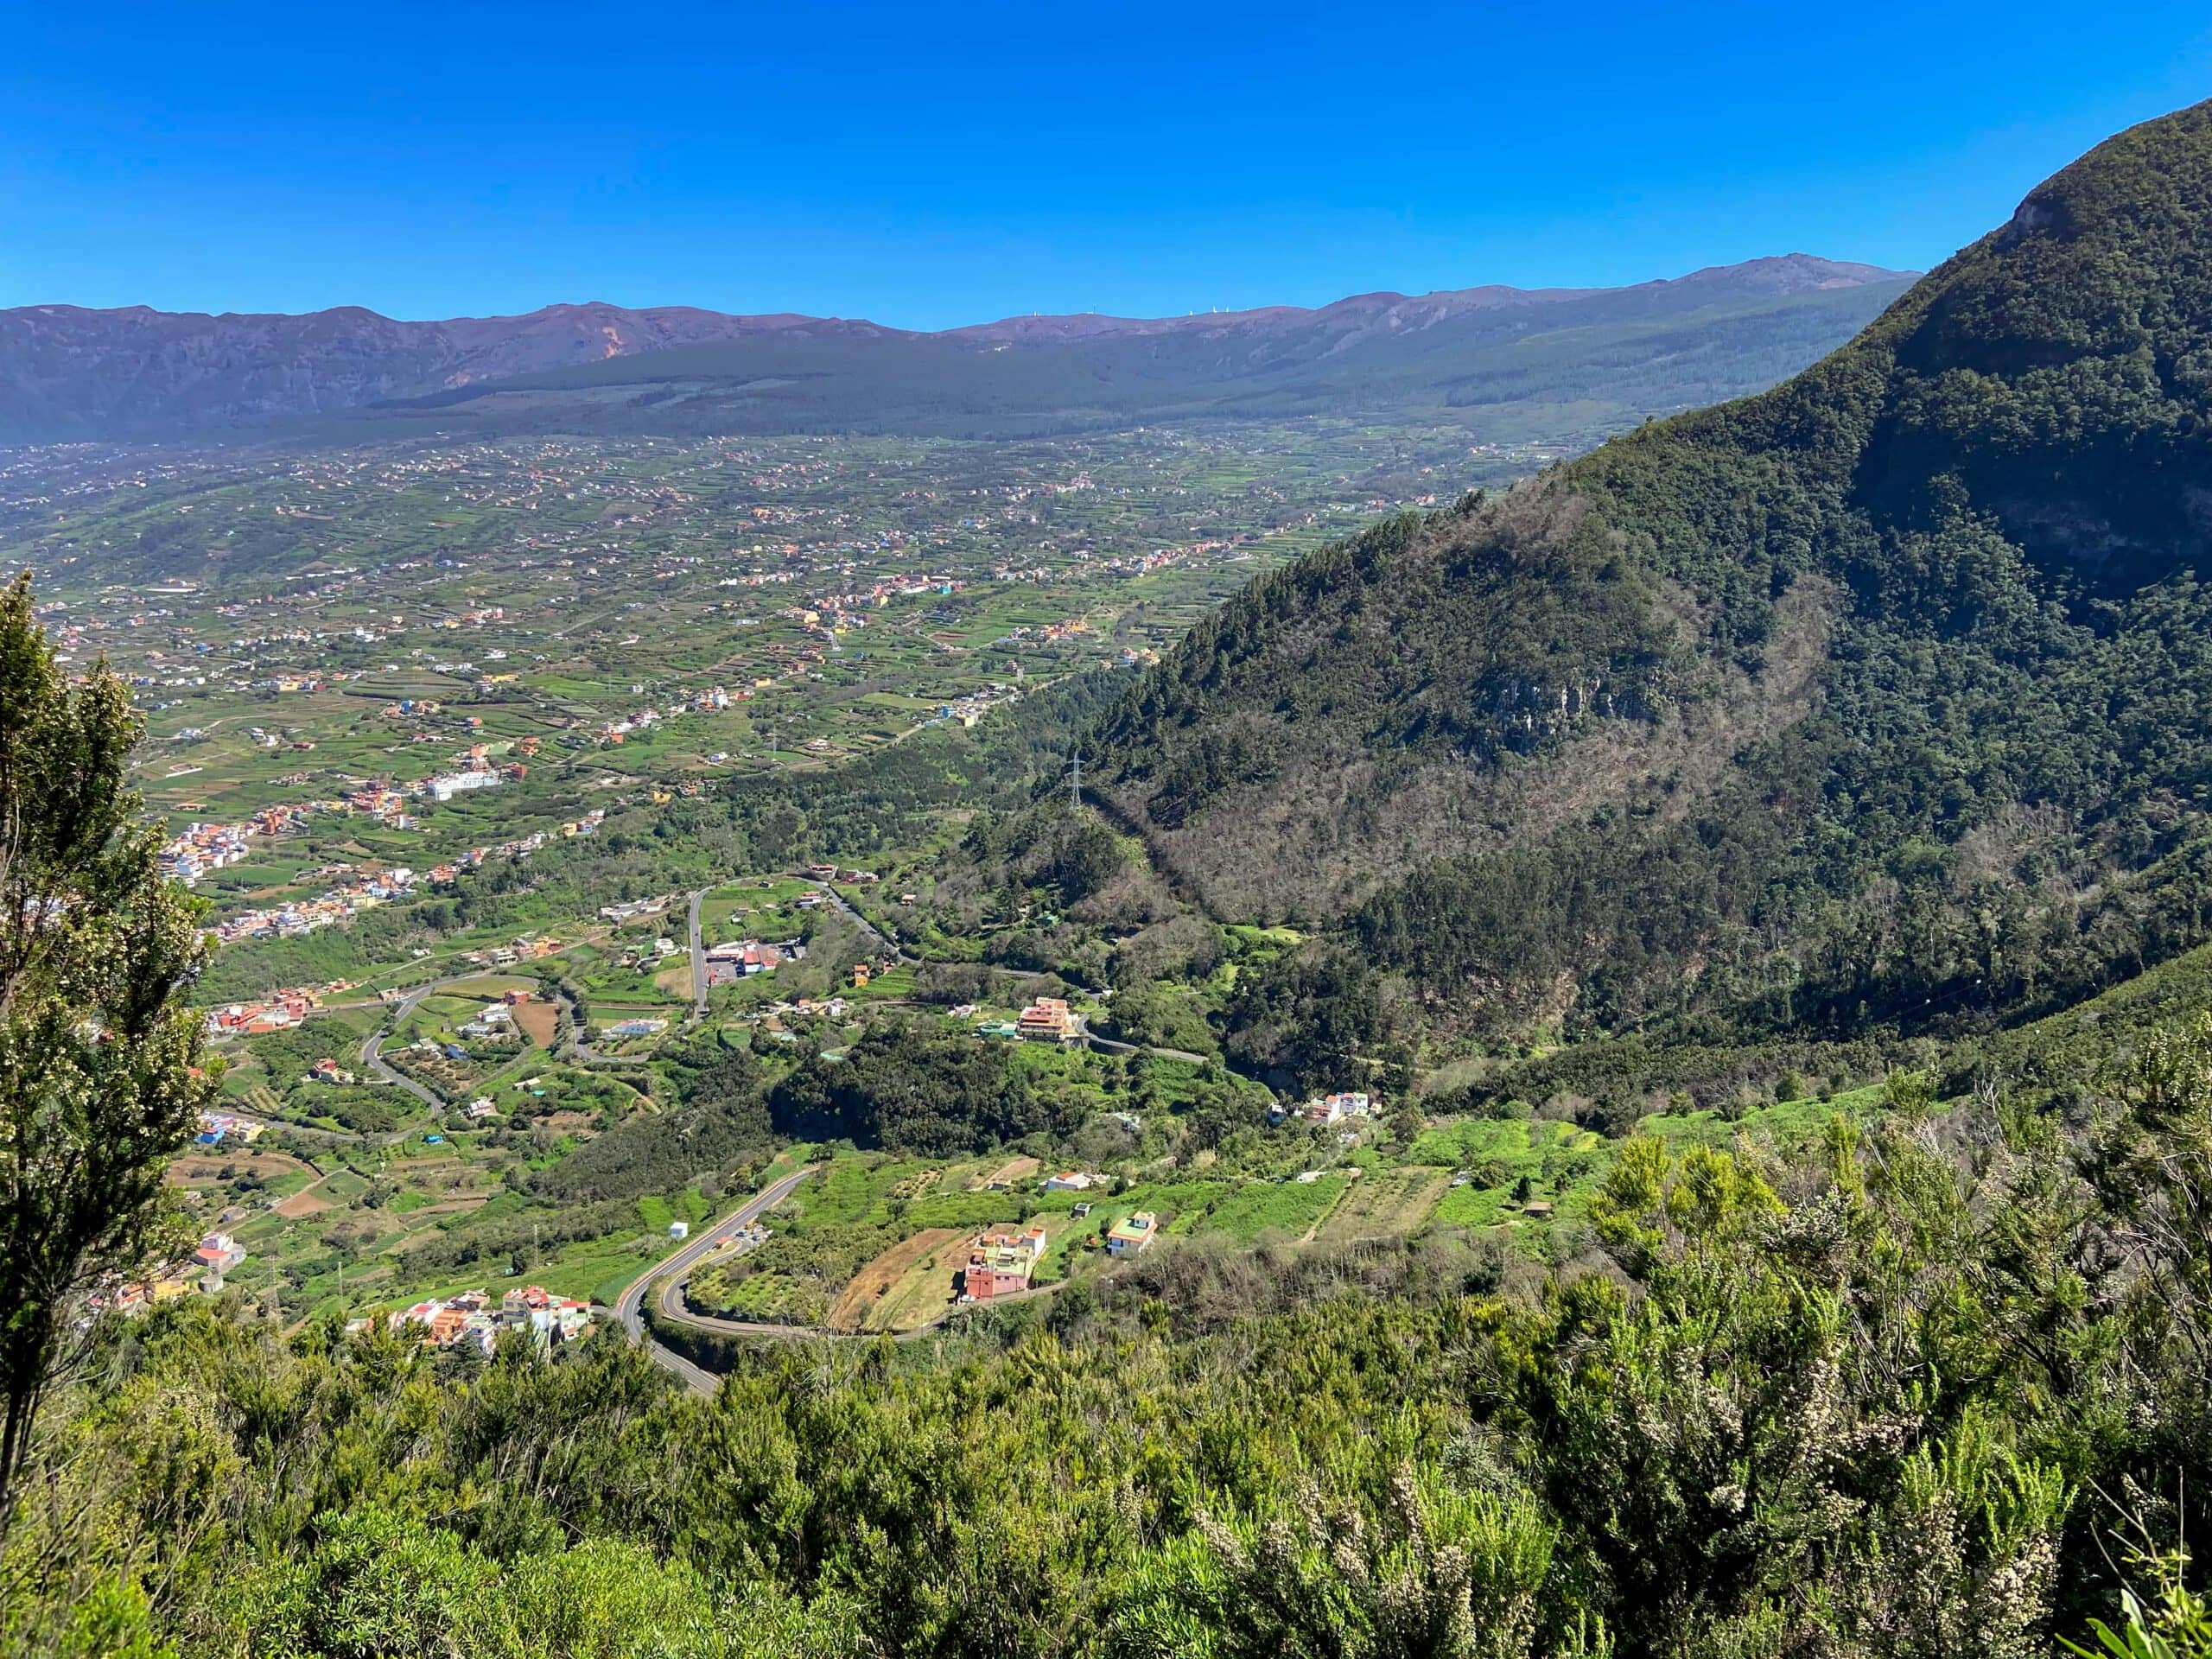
(1915, 1392)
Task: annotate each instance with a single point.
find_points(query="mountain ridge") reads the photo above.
(71, 373)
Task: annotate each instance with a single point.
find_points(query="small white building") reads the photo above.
(679, 1230)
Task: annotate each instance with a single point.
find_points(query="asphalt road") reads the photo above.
(671, 1305)
(698, 960)
(1109, 1046)
(373, 1047)
(630, 1306)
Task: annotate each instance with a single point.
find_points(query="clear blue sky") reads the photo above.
(932, 164)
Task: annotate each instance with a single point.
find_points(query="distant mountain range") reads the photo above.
(67, 373)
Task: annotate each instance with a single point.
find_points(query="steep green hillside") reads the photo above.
(1881, 696)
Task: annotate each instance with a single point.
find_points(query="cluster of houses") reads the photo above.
(202, 847)
(473, 1319)
(472, 775)
(495, 1019)
(205, 846)
(827, 873)
(743, 959)
(387, 806)
(264, 738)
(1325, 1109)
(806, 1008)
(1000, 1264)
(525, 949)
(284, 1009)
(216, 1255)
(713, 700)
(341, 904)
(447, 875)
(215, 1128)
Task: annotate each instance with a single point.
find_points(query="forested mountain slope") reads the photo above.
(1883, 695)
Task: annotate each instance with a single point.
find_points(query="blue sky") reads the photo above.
(932, 165)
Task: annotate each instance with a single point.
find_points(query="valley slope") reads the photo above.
(1878, 697)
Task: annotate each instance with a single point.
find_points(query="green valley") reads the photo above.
(1305, 1025)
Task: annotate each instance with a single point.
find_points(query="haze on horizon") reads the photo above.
(927, 171)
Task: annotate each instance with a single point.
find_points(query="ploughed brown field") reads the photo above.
(867, 1303)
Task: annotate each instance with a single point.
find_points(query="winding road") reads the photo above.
(630, 1306)
(372, 1045)
(866, 926)
(1113, 1045)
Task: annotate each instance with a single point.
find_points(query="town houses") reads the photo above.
(1049, 1020)
(283, 1009)
(473, 1320)
(1000, 1263)
(1325, 1108)
(202, 847)
(341, 903)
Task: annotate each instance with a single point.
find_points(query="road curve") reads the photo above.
(671, 1307)
(1111, 1046)
(372, 1045)
(630, 1306)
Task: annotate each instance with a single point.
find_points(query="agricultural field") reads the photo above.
(430, 727)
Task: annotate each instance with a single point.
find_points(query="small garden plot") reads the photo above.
(794, 1278)
(1014, 1170)
(1386, 1203)
(204, 1169)
(1287, 1210)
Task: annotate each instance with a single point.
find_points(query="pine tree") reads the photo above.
(99, 1080)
